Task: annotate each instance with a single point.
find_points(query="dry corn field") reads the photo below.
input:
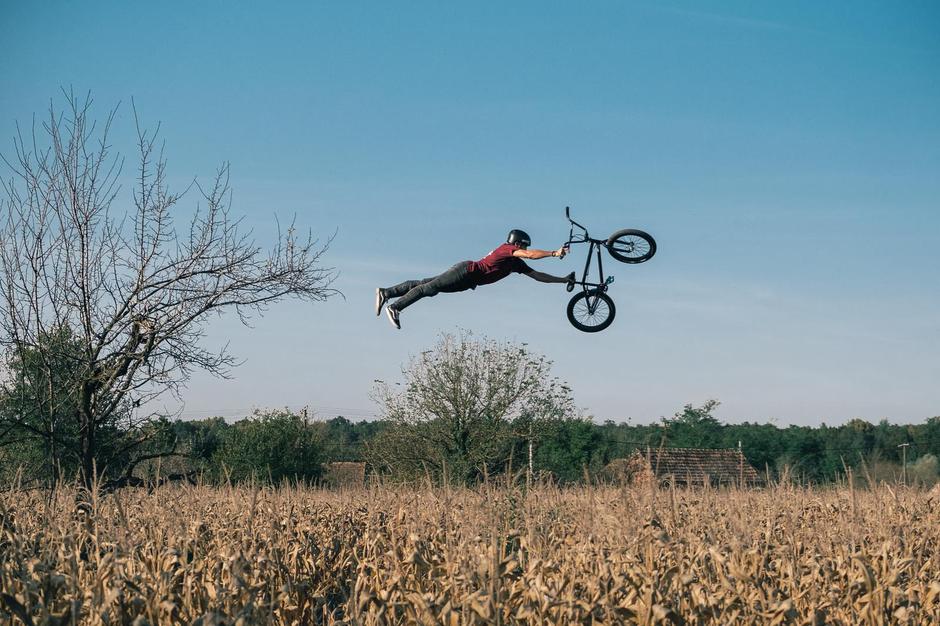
(384, 555)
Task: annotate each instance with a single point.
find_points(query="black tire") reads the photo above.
(631, 246)
(579, 311)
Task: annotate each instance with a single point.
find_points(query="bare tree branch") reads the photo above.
(136, 291)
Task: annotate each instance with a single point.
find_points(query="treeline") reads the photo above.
(467, 408)
(282, 445)
(275, 446)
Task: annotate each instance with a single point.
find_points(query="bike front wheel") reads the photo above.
(631, 246)
(591, 311)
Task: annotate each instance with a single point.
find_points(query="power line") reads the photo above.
(312, 409)
(778, 449)
(761, 448)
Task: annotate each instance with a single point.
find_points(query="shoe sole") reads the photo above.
(379, 301)
(394, 322)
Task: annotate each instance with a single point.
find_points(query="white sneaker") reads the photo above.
(379, 300)
(393, 317)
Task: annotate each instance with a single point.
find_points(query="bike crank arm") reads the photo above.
(591, 286)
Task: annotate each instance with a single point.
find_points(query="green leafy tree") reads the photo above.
(344, 440)
(200, 440)
(462, 406)
(272, 445)
(567, 447)
(930, 435)
(694, 427)
(39, 427)
(37, 401)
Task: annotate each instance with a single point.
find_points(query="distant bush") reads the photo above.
(924, 471)
(274, 445)
(880, 471)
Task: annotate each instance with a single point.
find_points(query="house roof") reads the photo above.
(694, 465)
(344, 473)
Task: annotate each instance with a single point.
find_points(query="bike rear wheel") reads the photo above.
(591, 311)
(631, 246)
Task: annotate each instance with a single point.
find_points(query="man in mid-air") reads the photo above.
(495, 266)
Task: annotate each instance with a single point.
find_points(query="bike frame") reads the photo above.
(595, 247)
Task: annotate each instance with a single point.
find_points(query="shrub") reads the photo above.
(924, 471)
(273, 445)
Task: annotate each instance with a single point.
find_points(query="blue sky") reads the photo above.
(784, 155)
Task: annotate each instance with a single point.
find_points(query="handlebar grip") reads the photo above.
(567, 211)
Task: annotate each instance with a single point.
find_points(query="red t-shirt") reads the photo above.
(497, 265)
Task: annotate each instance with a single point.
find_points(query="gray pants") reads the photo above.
(453, 280)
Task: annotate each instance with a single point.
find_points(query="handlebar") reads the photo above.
(568, 215)
(573, 224)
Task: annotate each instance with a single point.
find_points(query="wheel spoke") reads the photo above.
(631, 246)
(582, 311)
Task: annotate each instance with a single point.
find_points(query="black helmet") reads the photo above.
(519, 237)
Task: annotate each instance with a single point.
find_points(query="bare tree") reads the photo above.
(134, 291)
(462, 405)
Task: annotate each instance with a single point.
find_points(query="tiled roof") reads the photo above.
(694, 465)
(344, 473)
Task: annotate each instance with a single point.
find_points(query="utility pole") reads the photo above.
(529, 477)
(740, 466)
(904, 447)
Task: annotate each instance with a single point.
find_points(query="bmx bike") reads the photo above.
(591, 310)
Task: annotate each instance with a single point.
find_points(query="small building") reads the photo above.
(344, 474)
(688, 467)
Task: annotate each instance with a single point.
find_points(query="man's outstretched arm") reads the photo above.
(540, 254)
